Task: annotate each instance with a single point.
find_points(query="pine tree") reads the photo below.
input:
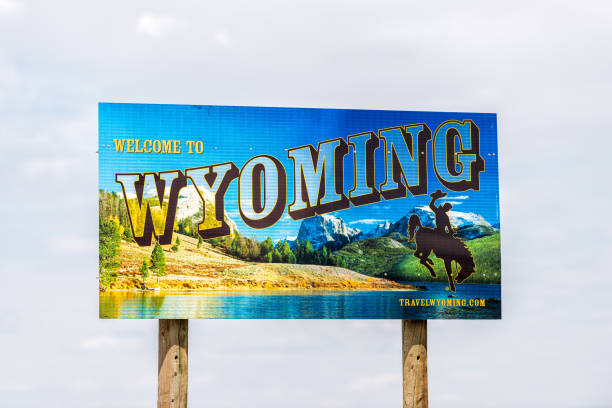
(127, 234)
(158, 260)
(285, 251)
(324, 256)
(144, 270)
(317, 258)
(267, 247)
(308, 253)
(297, 250)
(276, 256)
(175, 247)
(332, 260)
(110, 242)
(235, 246)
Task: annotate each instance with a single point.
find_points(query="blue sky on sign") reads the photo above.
(239, 133)
(542, 66)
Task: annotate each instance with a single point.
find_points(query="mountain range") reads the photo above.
(328, 230)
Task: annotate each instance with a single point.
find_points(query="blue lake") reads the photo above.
(302, 304)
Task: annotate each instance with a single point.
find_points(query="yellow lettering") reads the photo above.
(167, 146)
(199, 147)
(119, 144)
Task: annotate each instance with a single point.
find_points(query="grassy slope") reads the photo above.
(383, 257)
(209, 268)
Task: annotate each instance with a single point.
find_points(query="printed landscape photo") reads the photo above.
(325, 254)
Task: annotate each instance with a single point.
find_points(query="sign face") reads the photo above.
(249, 212)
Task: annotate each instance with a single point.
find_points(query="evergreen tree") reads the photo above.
(297, 250)
(317, 258)
(332, 260)
(276, 256)
(324, 256)
(269, 257)
(285, 251)
(308, 253)
(227, 242)
(144, 270)
(176, 245)
(267, 247)
(127, 233)
(109, 243)
(158, 260)
(235, 246)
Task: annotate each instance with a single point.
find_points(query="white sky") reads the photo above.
(544, 67)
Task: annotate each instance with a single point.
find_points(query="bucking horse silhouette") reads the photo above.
(443, 244)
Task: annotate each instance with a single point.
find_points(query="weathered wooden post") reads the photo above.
(414, 359)
(172, 363)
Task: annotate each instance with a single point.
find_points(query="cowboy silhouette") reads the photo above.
(443, 224)
(442, 242)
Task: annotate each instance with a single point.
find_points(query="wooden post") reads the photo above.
(172, 363)
(414, 358)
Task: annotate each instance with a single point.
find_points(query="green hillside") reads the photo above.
(388, 258)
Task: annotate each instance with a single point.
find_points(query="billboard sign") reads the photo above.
(253, 212)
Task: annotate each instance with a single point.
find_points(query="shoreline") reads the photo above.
(409, 288)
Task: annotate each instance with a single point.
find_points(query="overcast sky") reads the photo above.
(545, 68)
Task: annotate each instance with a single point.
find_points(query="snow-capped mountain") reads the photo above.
(189, 203)
(467, 225)
(334, 233)
(327, 230)
(379, 231)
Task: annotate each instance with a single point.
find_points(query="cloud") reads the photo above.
(461, 197)
(202, 379)
(72, 244)
(155, 26)
(105, 342)
(368, 221)
(10, 7)
(375, 382)
(53, 166)
(15, 386)
(223, 38)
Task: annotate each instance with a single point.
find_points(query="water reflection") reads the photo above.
(300, 304)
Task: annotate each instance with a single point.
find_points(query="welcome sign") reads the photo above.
(250, 212)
